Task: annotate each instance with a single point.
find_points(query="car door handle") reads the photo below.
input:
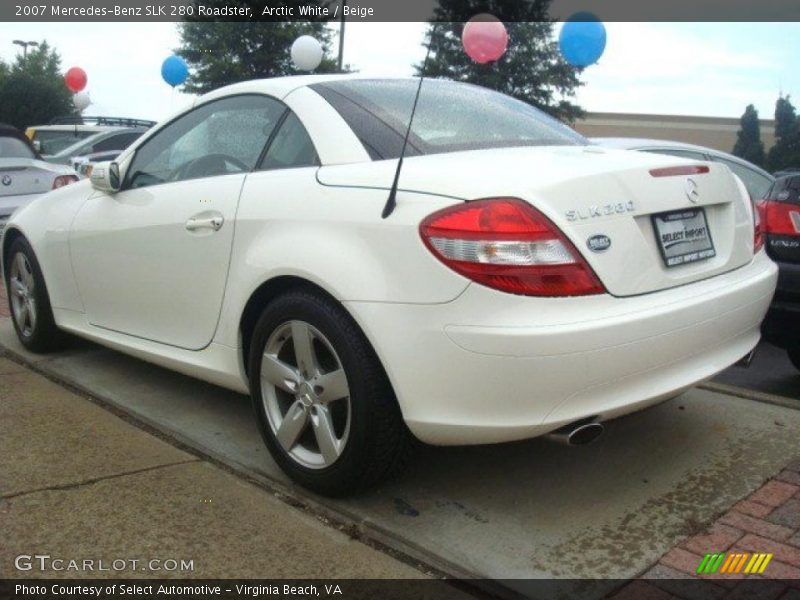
(205, 221)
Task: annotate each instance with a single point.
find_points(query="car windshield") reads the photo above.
(11, 147)
(450, 117)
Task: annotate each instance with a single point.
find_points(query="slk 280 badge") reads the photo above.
(602, 210)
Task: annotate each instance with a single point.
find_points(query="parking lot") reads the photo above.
(769, 373)
(532, 509)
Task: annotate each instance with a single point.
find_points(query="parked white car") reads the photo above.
(526, 282)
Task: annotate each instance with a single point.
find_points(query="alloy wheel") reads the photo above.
(306, 395)
(23, 299)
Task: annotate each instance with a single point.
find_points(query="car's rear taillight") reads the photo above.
(63, 180)
(508, 245)
(779, 218)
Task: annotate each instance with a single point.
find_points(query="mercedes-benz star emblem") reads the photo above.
(691, 190)
(6, 179)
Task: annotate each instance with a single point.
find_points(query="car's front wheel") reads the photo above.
(324, 405)
(28, 299)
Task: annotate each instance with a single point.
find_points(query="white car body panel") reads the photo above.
(498, 368)
(141, 272)
(335, 142)
(468, 364)
(576, 179)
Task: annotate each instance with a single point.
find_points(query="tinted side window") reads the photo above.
(116, 142)
(756, 183)
(291, 148)
(218, 138)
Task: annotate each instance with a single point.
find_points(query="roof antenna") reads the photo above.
(391, 201)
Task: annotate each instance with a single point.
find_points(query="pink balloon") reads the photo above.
(485, 38)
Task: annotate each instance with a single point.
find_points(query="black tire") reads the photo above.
(794, 356)
(41, 336)
(379, 444)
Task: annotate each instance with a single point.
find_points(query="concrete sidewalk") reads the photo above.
(79, 482)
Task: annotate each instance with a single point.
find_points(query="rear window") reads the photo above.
(450, 117)
(11, 147)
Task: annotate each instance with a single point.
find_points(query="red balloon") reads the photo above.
(485, 38)
(75, 79)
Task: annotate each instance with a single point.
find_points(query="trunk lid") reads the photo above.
(594, 195)
(22, 176)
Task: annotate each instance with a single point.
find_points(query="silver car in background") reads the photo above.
(83, 165)
(113, 139)
(65, 131)
(23, 175)
(755, 179)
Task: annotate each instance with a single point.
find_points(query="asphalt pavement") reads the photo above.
(771, 372)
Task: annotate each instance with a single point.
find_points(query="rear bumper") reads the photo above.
(493, 367)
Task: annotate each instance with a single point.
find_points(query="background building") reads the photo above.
(714, 132)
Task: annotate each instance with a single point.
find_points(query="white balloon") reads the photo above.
(81, 100)
(306, 53)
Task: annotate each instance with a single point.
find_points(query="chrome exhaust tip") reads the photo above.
(577, 434)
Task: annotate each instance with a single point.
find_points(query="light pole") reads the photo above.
(341, 36)
(25, 46)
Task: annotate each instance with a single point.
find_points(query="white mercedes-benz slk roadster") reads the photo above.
(526, 282)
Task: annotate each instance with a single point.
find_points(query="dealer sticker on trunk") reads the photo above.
(683, 236)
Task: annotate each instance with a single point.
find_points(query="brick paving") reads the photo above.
(766, 521)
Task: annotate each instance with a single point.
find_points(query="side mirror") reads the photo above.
(105, 177)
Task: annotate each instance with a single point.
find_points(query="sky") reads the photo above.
(709, 69)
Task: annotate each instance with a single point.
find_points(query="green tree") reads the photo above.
(748, 140)
(220, 53)
(786, 151)
(532, 69)
(32, 90)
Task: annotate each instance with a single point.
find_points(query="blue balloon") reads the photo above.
(174, 70)
(582, 40)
